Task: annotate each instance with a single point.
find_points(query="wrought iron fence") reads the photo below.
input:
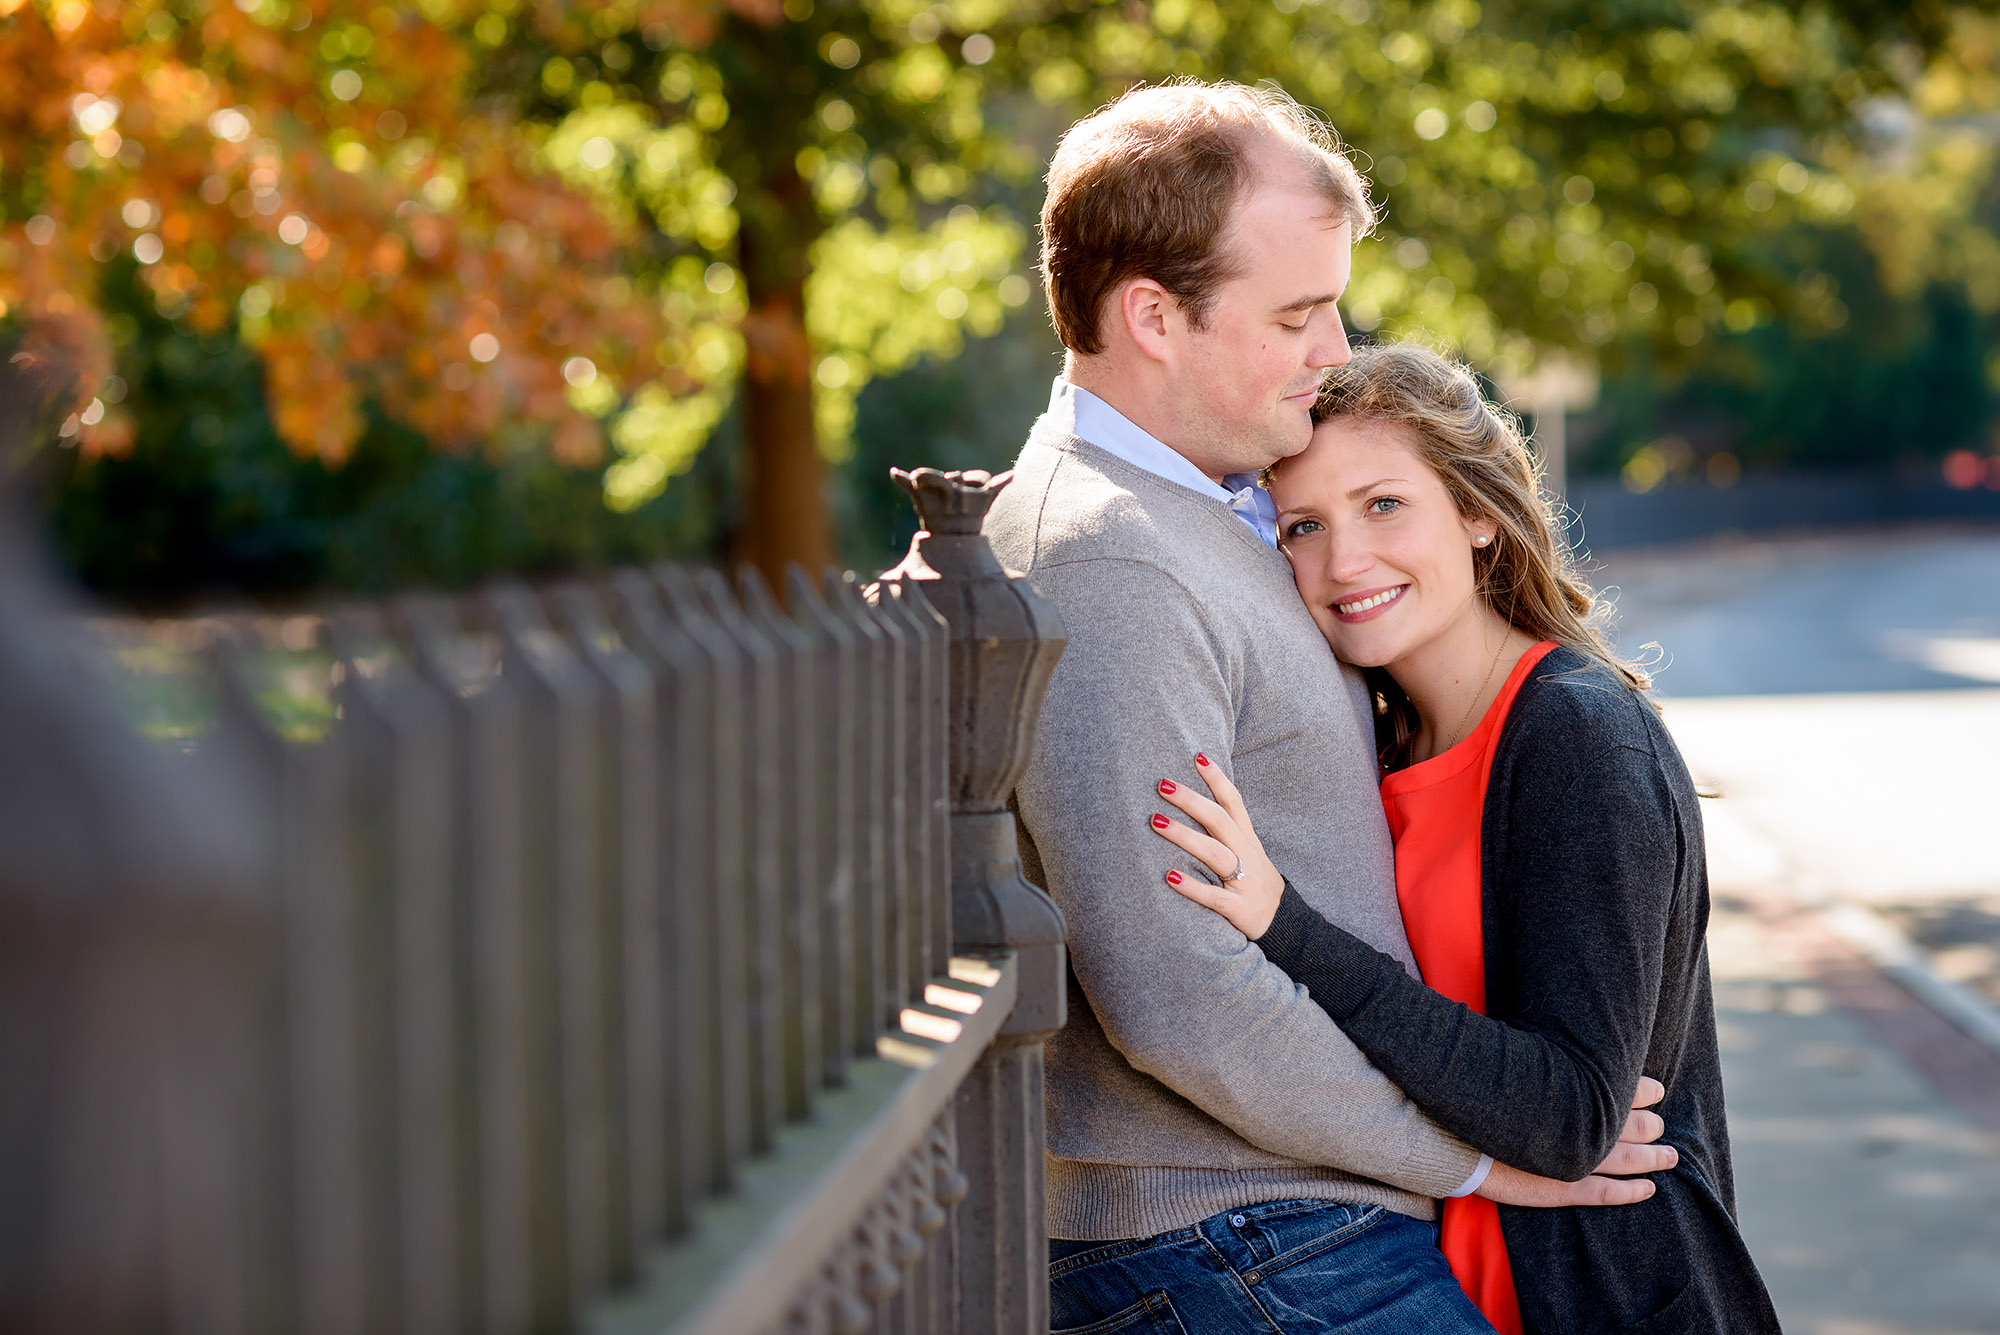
(633, 956)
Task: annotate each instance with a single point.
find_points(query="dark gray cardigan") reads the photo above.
(1595, 898)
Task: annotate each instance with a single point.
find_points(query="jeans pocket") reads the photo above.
(1336, 1226)
(1151, 1315)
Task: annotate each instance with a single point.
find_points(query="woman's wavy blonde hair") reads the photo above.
(1528, 573)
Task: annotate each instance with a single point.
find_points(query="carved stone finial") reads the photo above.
(950, 508)
(951, 502)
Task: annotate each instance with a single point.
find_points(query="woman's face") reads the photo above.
(1381, 555)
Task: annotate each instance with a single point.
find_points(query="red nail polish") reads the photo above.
(1200, 759)
(1169, 786)
(1160, 822)
(1173, 878)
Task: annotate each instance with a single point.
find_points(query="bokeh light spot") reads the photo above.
(230, 124)
(1963, 470)
(95, 115)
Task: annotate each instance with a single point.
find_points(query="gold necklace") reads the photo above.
(1483, 683)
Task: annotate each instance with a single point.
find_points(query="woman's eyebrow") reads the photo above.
(1359, 492)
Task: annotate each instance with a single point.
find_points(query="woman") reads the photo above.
(1549, 859)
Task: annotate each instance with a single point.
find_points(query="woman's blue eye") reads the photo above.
(1302, 527)
(1383, 505)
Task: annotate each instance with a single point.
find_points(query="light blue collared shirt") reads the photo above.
(1082, 414)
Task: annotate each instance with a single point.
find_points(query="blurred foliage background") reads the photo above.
(354, 296)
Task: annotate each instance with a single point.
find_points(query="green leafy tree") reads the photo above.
(1889, 357)
(831, 192)
(1561, 175)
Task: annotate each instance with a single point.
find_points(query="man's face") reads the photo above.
(1252, 372)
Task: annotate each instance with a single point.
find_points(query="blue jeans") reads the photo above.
(1279, 1268)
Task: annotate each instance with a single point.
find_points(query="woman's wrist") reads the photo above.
(1284, 940)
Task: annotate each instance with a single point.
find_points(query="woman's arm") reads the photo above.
(1586, 938)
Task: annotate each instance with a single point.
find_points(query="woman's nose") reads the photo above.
(1346, 559)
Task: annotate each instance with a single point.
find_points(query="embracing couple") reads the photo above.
(1335, 715)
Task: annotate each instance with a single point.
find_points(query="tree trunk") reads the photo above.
(787, 519)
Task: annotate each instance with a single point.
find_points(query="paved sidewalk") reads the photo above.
(1870, 1200)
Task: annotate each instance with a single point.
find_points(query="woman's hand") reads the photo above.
(1249, 901)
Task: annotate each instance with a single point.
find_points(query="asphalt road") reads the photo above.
(1843, 695)
(1910, 611)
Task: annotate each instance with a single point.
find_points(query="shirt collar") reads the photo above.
(1080, 413)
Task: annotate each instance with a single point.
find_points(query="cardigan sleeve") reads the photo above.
(1583, 902)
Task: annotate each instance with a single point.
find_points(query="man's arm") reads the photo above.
(1178, 991)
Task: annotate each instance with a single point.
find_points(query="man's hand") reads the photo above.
(1635, 1152)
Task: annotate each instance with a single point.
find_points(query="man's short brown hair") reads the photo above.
(1144, 187)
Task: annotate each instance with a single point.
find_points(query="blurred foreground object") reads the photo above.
(594, 957)
(130, 934)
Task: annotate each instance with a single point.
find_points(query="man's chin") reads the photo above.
(1290, 442)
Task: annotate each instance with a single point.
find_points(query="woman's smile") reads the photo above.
(1368, 605)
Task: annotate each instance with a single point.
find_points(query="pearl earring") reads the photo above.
(1482, 540)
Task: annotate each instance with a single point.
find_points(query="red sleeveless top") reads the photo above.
(1434, 813)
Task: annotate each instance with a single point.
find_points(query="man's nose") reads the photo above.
(1330, 348)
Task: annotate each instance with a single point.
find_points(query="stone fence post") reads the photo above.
(1005, 639)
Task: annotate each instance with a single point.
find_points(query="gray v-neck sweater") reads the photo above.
(1193, 1075)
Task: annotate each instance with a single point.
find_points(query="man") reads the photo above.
(1219, 1154)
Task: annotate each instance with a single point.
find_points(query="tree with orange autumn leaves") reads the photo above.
(317, 171)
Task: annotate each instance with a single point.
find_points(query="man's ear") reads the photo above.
(1150, 316)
